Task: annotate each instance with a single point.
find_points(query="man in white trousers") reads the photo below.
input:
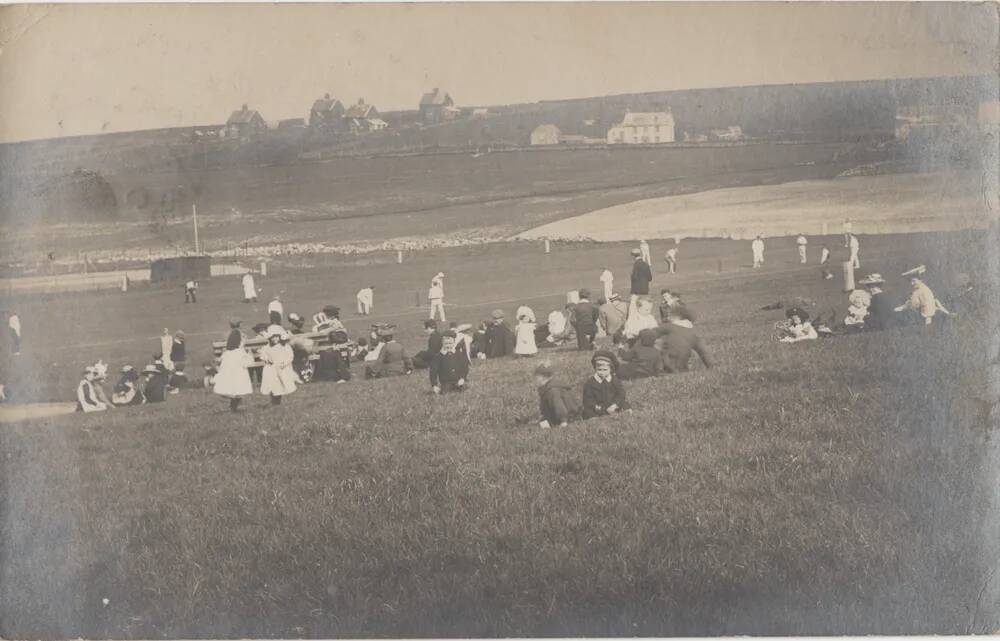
(436, 297)
(608, 280)
(249, 288)
(366, 300)
(802, 242)
(757, 247)
(855, 248)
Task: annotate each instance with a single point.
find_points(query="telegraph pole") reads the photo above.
(194, 215)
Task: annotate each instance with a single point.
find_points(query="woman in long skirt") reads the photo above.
(232, 379)
(278, 378)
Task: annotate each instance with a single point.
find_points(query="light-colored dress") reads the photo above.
(249, 288)
(525, 339)
(233, 377)
(638, 321)
(524, 310)
(278, 377)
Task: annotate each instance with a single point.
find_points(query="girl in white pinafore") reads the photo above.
(232, 379)
(278, 378)
(525, 332)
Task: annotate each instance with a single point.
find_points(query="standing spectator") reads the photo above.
(525, 334)
(449, 369)
(642, 276)
(608, 280)
(824, 263)
(191, 291)
(14, 323)
(278, 377)
(166, 344)
(802, 242)
(366, 300)
(422, 359)
(249, 288)
(500, 339)
(855, 247)
(235, 337)
(436, 297)
(603, 393)
(557, 403)
(178, 354)
(757, 247)
(585, 321)
(671, 258)
(275, 310)
(644, 251)
(612, 316)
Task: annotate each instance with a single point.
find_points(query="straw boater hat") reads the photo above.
(874, 278)
(605, 356)
(126, 369)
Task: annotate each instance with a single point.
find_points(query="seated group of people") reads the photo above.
(134, 387)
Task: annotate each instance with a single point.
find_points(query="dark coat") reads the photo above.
(392, 360)
(558, 403)
(598, 397)
(641, 277)
(448, 369)
(641, 361)
(677, 344)
(880, 313)
(500, 341)
(585, 317)
(155, 389)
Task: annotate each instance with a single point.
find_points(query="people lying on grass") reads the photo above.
(643, 359)
(603, 393)
(525, 346)
(677, 340)
(558, 404)
(233, 377)
(126, 391)
(392, 357)
(585, 319)
(642, 319)
(611, 315)
(449, 370)
(278, 378)
(799, 330)
(422, 359)
(87, 398)
(500, 340)
(464, 340)
(154, 383)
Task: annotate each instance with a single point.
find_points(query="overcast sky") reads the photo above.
(84, 69)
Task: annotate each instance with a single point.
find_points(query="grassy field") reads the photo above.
(836, 487)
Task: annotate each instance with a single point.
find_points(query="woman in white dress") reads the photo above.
(525, 332)
(232, 379)
(278, 378)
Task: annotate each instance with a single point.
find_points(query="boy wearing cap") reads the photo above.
(557, 403)
(154, 384)
(603, 393)
(448, 369)
(585, 321)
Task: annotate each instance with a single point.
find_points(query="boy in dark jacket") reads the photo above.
(557, 403)
(585, 321)
(448, 368)
(603, 393)
(500, 340)
(643, 360)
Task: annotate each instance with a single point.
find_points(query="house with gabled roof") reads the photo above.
(326, 113)
(245, 123)
(436, 106)
(638, 128)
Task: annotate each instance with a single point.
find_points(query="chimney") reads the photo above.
(245, 109)
(361, 101)
(326, 96)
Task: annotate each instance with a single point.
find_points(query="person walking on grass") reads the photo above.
(557, 403)
(603, 393)
(802, 242)
(608, 281)
(757, 247)
(14, 325)
(585, 320)
(249, 288)
(232, 380)
(671, 258)
(642, 276)
(278, 377)
(436, 297)
(449, 368)
(366, 300)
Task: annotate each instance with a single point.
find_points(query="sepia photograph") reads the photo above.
(499, 319)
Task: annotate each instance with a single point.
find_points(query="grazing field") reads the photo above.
(840, 486)
(362, 200)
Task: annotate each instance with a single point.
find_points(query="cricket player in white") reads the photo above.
(608, 280)
(802, 242)
(436, 297)
(855, 247)
(366, 300)
(757, 247)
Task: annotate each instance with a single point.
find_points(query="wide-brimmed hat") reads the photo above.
(275, 330)
(150, 369)
(874, 278)
(497, 314)
(605, 356)
(294, 318)
(464, 327)
(126, 369)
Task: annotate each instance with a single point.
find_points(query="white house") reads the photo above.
(643, 128)
(545, 135)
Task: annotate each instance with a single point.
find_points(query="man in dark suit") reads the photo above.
(642, 276)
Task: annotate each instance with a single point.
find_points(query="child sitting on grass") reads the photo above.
(448, 368)
(643, 359)
(603, 393)
(557, 403)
